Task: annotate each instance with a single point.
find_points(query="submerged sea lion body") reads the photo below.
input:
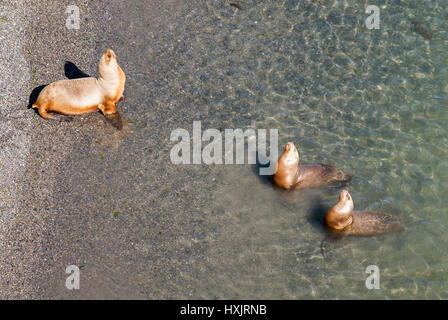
(422, 31)
(342, 221)
(291, 175)
(371, 223)
(84, 95)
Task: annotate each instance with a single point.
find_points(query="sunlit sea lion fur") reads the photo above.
(291, 175)
(79, 96)
(342, 221)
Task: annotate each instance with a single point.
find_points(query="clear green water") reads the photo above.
(371, 102)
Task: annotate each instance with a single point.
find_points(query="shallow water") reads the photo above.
(371, 102)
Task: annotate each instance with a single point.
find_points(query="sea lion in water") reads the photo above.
(342, 221)
(421, 31)
(235, 5)
(291, 175)
(341, 215)
(84, 95)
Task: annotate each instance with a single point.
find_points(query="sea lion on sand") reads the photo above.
(291, 175)
(83, 95)
(342, 221)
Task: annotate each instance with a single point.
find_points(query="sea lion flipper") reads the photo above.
(334, 176)
(58, 116)
(329, 243)
(115, 120)
(61, 117)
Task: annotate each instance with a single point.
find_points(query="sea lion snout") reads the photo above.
(110, 52)
(345, 204)
(109, 55)
(291, 152)
(109, 59)
(290, 147)
(344, 195)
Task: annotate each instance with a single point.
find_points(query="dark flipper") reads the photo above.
(329, 243)
(422, 31)
(115, 120)
(58, 117)
(334, 176)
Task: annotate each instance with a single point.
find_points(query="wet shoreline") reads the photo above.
(81, 200)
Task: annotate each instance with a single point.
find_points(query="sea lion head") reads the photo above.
(291, 155)
(108, 64)
(341, 215)
(287, 167)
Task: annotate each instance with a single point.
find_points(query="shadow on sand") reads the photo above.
(71, 72)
